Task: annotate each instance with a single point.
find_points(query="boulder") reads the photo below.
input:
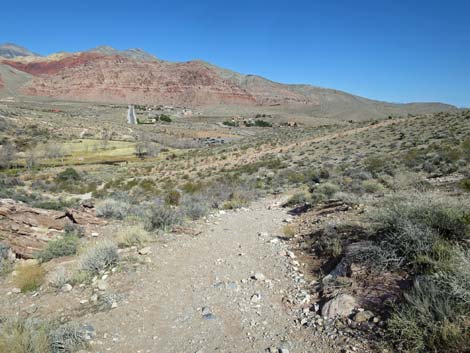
(342, 305)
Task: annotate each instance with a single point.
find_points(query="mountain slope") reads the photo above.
(105, 74)
(10, 50)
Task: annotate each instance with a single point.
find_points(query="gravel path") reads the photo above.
(199, 293)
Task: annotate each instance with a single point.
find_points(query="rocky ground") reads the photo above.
(232, 286)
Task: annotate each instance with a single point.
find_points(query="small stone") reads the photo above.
(94, 298)
(205, 310)
(16, 290)
(259, 276)
(283, 350)
(363, 316)
(291, 254)
(255, 298)
(114, 305)
(263, 234)
(66, 287)
(209, 316)
(145, 251)
(102, 285)
(94, 234)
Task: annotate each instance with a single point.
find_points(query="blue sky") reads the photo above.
(393, 50)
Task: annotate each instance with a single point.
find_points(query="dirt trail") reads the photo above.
(197, 295)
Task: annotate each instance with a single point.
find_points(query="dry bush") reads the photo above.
(134, 235)
(29, 277)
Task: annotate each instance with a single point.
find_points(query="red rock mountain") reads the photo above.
(133, 76)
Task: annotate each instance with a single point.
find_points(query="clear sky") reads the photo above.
(393, 50)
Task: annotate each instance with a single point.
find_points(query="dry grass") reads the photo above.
(29, 277)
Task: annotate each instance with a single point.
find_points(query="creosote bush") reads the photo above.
(99, 257)
(111, 208)
(161, 217)
(65, 246)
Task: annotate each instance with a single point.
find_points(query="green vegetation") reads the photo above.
(65, 246)
(99, 257)
(20, 335)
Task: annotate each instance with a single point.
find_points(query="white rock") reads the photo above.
(16, 290)
(255, 298)
(94, 234)
(259, 276)
(67, 287)
(145, 251)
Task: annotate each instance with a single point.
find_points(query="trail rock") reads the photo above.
(342, 305)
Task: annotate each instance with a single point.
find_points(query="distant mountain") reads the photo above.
(105, 74)
(137, 54)
(10, 51)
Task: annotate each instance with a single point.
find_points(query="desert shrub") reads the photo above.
(410, 230)
(68, 174)
(195, 207)
(67, 338)
(132, 236)
(191, 188)
(100, 257)
(377, 165)
(160, 217)
(23, 336)
(65, 246)
(6, 264)
(327, 189)
(328, 245)
(173, 198)
(447, 217)
(111, 208)
(298, 198)
(465, 184)
(165, 118)
(20, 335)
(29, 277)
(372, 186)
(74, 229)
(432, 318)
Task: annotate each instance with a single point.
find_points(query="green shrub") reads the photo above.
(372, 186)
(19, 335)
(298, 198)
(161, 217)
(173, 198)
(132, 236)
(68, 174)
(195, 207)
(100, 257)
(465, 184)
(111, 208)
(327, 189)
(65, 246)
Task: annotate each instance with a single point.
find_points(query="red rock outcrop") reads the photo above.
(27, 230)
(113, 78)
